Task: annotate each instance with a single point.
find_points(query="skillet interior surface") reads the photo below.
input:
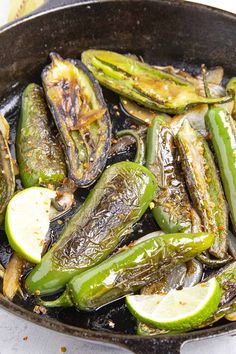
(162, 32)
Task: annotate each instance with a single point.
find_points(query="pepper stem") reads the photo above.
(55, 58)
(62, 301)
(140, 146)
(213, 263)
(205, 83)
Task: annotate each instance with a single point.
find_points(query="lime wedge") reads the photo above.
(27, 221)
(179, 309)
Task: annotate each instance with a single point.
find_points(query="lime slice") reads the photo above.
(179, 309)
(27, 221)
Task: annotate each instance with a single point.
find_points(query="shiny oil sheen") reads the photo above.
(163, 33)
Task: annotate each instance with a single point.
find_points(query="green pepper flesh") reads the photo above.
(145, 84)
(173, 211)
(223, 136)
(132, 268)
(204, 186)
(40, 156)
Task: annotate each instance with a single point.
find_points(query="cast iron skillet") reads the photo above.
(163, 32)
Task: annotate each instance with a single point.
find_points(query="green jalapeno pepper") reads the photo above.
(204, 186)
(40, 157)
(81, 116)
(172, 211)
(7, 176)
(130, 269)
(118, 200)
(147, 85)
(223, 136)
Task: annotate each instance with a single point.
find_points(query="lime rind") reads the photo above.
(197, 304)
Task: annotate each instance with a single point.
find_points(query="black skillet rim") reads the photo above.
(87, 334)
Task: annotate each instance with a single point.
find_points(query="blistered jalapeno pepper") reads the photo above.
(172, 211)
(39, 155)
(145, 84)
(204, 186)
(118, 200)
(223, 136)
(81, 116)
(130, 269)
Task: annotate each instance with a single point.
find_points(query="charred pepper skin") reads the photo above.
(173, 211)
(81, 116)
(204, 186)
(39, 155)
(130, 269)
(223, 136)
(145, 84)
(118, 200)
